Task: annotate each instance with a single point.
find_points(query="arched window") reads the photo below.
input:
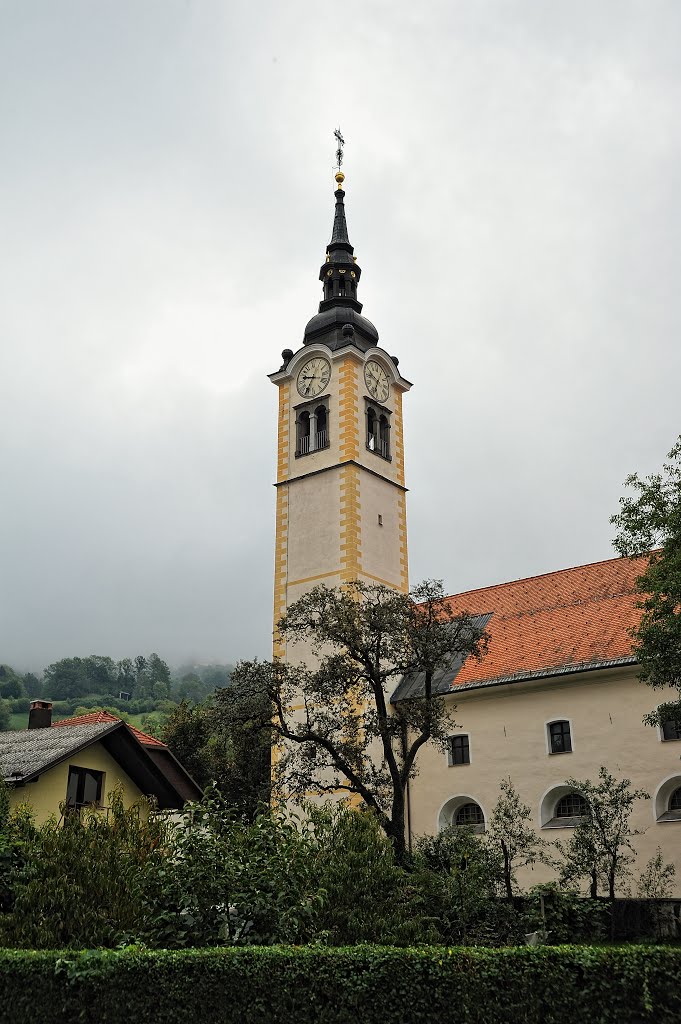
(371, 430)
(303, 439)
(572, 805)
(384, 437)
(322, 438)
(469, 814)
(675, 800)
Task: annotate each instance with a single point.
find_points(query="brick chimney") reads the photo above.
(40, 714)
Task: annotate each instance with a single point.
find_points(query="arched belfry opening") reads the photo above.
(378, 431)
(312, 428)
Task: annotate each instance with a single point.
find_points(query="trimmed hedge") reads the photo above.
(374, 985)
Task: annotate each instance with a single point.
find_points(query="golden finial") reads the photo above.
(340, 178)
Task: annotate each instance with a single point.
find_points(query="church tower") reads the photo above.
(341, 496)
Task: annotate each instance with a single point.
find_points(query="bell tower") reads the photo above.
(341, 496)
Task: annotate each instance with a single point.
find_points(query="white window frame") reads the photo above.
(549, 801)
(660, 735)
(447, 812)
(662, 796)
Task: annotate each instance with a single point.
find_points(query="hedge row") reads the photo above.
(374, 985)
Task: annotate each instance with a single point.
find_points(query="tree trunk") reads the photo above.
(507, 871)
(395, 831)
(594, 884)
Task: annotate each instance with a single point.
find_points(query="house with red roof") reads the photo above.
(556, 696)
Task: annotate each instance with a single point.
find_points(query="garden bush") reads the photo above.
(375, 985)
(78, 881)
(367, 898)
(231, 881)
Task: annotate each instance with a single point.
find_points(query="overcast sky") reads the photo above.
(513, 182)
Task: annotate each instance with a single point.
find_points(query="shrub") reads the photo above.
(20, 706)
(459, 876)
(368, 898)
(82, 879)
(341, 986)
(568, 916)
(233, 881)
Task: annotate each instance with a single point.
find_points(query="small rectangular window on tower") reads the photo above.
(380, 519)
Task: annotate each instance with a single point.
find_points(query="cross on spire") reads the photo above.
(339, 151)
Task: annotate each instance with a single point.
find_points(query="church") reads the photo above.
(557, 694)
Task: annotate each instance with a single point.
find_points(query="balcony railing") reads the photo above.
(378, 444)
(313, 442)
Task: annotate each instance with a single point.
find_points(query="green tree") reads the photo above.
(11, 684)
(656, 880)
(512, 835)
(32, 685)
(367, 897)
(347, 738)
(190, 687)
(649, 522)
(4, 715)
(216, 748)
(600, 847)
(65, 679)
(458, 875)
(125, 676)
(101, 674)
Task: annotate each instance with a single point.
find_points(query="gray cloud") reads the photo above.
(512, 195)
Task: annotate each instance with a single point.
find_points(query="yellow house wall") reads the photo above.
(507, 733)
(49, 791)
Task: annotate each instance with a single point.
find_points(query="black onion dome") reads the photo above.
(328, 325)
(340, 276)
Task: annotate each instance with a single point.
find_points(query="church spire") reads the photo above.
(340, 227)
(338, 322)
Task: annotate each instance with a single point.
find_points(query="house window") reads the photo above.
(560, 741)
(84, 787)
(671, 730)
(573, 805)
(469, 814)
(459, 751)
(675, 800)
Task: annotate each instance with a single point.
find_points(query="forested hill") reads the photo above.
(143, 685)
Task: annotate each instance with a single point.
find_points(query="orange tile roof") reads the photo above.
(561, 622)
(96, 717)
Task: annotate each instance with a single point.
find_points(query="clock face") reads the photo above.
(376, 380)
(313, 377)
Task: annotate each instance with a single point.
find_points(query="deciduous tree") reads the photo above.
(346, 738)
(600, 847)
(511, 834)
(649, 522)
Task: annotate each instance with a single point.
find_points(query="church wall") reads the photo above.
(507, 729)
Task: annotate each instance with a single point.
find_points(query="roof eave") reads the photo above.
(545, 673)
